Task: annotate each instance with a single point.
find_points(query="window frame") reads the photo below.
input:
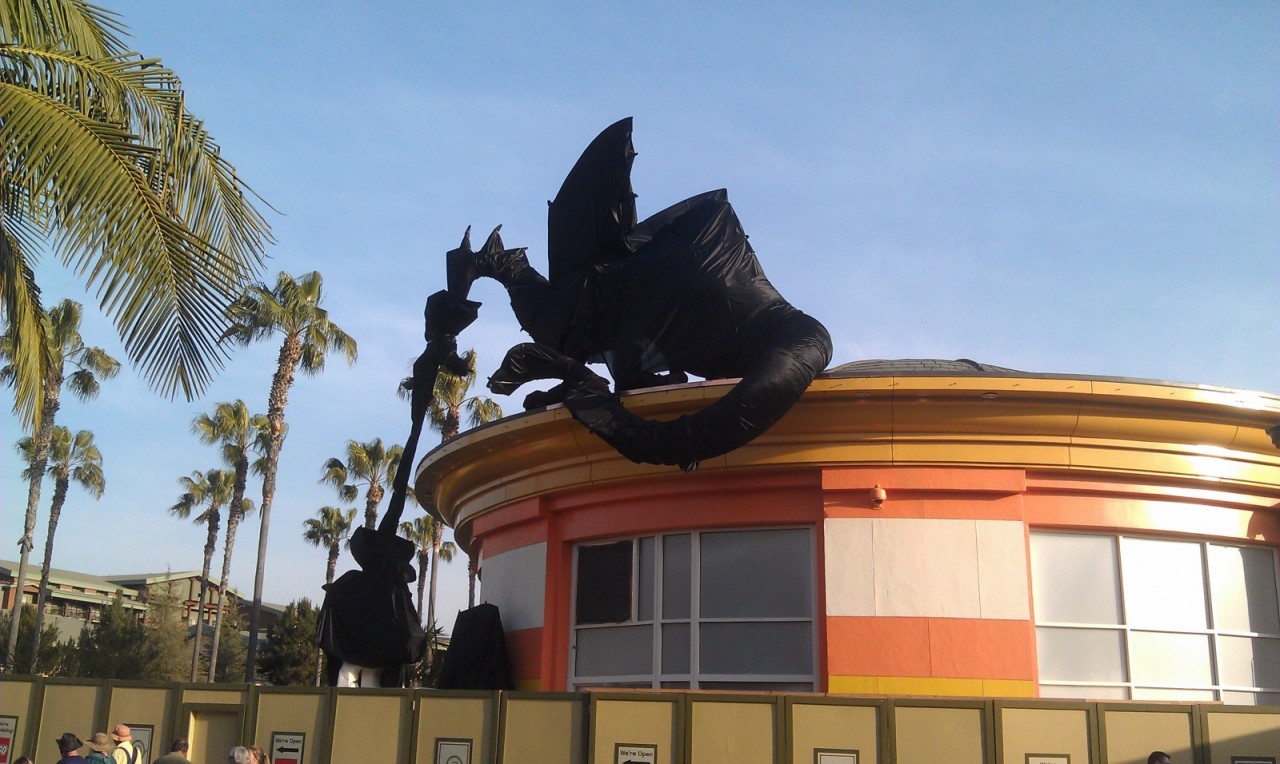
(694, 678)
(1134, 690)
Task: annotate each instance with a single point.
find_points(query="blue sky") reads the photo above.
(1088, 188)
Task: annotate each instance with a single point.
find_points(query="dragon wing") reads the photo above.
(595, 210)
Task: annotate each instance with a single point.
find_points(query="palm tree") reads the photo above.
(60, 329)
(422, 532)
(450, 400)
(70, 459)
(237, 431)
(292, 309)
(329, 528)
(104, 163)
(211, 490)
(370, 464)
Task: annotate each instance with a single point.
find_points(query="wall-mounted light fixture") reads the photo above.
(878, 495)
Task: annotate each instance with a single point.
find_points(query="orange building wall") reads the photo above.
(928, 593)
(925, 654)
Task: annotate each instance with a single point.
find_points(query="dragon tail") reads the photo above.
(794, 353)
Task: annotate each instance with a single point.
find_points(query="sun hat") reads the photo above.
(69, 742)
(100, 742)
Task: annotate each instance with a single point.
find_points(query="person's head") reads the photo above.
(23, 760)
(1159, 757)
(121, 733)
(69, 743)
(239, 755)
(180, 745)
(258, 756)
(100, 742)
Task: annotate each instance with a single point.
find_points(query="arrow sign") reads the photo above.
(286, 747)
(635, 753)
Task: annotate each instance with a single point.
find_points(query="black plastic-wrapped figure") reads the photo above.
(680, 292)
(368, 627)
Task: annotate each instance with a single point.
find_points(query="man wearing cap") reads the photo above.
(69, 748)
(127, 751)
(177, 753)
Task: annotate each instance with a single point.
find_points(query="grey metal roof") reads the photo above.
(879, 367)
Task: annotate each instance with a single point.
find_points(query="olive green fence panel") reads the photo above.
(304, 725)
(460, 727)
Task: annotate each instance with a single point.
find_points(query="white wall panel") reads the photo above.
(926, 568)
(933, 568)
(1002, 570)
(516, 582)
(850, 570)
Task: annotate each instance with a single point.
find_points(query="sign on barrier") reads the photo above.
(143, 735)
(635, 753)
(453, 751)
(8, 731)
(286, 747)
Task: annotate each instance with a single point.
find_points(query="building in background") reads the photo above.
(909, 528)
(76, 599)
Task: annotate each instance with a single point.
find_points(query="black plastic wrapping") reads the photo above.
(368, 617)
(477, 654)
(680, 292)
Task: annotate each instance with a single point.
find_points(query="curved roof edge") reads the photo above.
(932, 367)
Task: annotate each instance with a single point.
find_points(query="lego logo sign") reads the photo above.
(286, 747)
(8, 730)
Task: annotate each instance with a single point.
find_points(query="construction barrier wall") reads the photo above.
(299, 725)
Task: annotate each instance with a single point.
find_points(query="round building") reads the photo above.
(909, 528)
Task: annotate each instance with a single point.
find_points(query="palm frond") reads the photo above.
(28, 363)
(73, 24)
(166, 289)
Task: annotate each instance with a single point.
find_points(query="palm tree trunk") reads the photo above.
(59, 498)
(210, 544)
(438, 529)
(290, 352)
(332, 567)
(372, 498)
(233, 520)
(329, 570)
(38, 465)
(471, 581)
(424, 560)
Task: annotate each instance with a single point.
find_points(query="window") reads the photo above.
(1121, 617)
(709, 610)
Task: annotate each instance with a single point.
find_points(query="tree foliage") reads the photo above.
(70, 459)
(291, 309)
(231, 646)
(372, 465)
(109, 649)
(103, 162)
(235, 431)
(288, 656)
(54, 658)
(329, 529)
(59, 329)
(165, 657)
